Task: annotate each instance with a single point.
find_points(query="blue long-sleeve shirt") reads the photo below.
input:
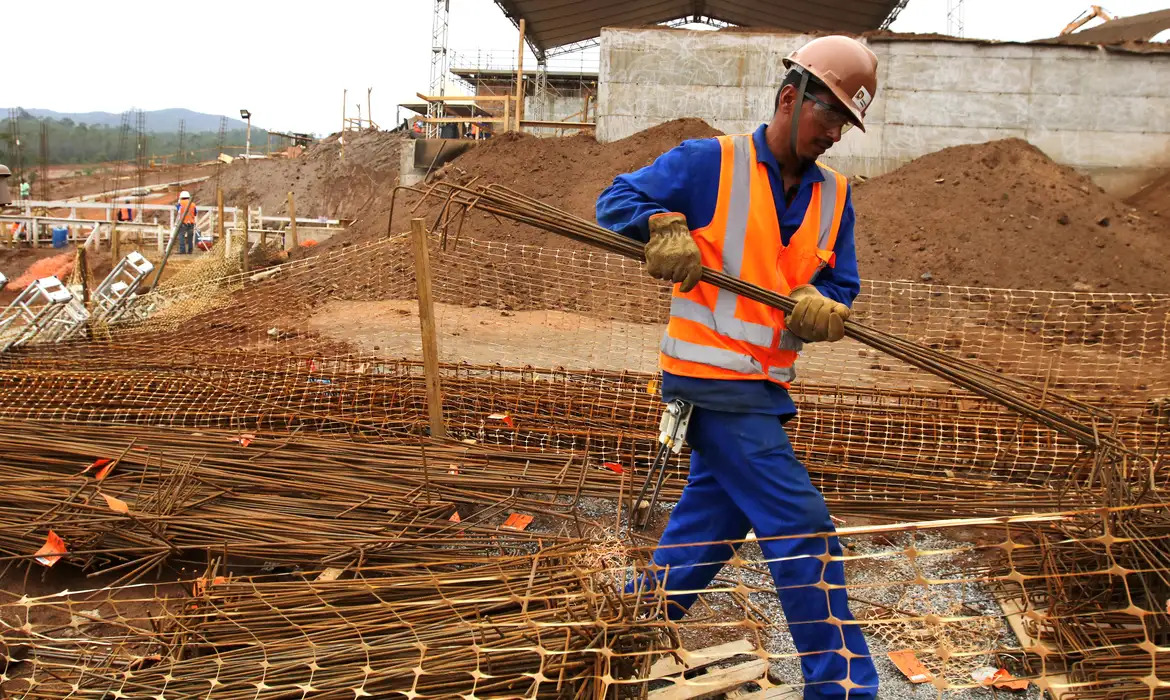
(686, 180)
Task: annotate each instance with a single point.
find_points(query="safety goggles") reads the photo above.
(829, 116)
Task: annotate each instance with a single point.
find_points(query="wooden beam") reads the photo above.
(520, 77)
(219, 214)
(463, 98)
(426, 317)
(713, 683)
(292, 243)
(447, 120)
(244, 247)
(558, 125)
(699, 658)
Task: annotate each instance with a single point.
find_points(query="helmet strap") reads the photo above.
(796, 112)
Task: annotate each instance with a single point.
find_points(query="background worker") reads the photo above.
(186, 209)
(125, 213)
(25, 189)
(758, 207)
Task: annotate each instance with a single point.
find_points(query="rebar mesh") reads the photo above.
(1056, 570)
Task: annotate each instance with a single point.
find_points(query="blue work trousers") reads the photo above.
(186, 238)
(745, 476)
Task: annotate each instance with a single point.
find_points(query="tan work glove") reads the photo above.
(816, 317)
(671, 253)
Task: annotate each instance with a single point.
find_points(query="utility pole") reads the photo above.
(248, 135)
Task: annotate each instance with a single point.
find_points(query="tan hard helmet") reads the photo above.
(846, 66)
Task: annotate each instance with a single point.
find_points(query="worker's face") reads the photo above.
(821, 123)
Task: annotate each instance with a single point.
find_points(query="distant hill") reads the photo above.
(159, 120)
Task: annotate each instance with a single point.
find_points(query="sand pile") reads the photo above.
(568, 172)
(322, 183)
(1154, 197)
(1002, 214)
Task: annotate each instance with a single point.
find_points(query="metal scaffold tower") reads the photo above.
(955, 17)
(438, 62)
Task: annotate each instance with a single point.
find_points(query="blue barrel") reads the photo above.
(60, 236)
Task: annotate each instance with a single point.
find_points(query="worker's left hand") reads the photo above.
(816, 317)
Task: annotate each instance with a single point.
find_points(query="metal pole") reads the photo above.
(248, 139)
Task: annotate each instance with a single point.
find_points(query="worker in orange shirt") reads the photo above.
(125, 213)
(185, 209)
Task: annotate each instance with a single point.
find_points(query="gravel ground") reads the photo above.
(885, 578)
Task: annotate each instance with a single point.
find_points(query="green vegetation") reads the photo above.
(70, 142)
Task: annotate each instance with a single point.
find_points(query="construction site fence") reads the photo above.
(555, 350)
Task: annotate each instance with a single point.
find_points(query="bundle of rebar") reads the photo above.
(534, 626)
(1084, 423)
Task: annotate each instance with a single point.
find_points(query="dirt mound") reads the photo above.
(1002, 214)
(323, 183)
(567, 172)
(1154, 197)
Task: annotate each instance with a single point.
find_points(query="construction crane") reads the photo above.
(1085, 17)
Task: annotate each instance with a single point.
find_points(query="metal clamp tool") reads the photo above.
(672, 432)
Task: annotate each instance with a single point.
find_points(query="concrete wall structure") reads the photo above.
(1104, 112)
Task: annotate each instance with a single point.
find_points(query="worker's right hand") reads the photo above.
(672, 253)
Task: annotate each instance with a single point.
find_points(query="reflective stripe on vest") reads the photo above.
(722, 319)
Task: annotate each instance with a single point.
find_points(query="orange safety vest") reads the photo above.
(190, 217)
(716, 334)
(125, 213)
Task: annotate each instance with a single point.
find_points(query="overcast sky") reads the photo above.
(288, 62)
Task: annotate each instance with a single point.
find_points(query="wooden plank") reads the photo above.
(520, 75)
(426, 316)
(293, 242)
(558, 125)
(699, 658)
(713, 682)
(779, 692)
(464, 98)
(244, 247)
(1015, 618)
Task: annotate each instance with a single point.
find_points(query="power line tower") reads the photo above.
(219, 149)
(140, 153)
(955, 17)
(43, 170)
(15, 159)
(182, 153)
(438, 62)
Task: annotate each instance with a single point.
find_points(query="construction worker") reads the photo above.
(758, 207)
(125, 213)
(186, 209)
(25, 189)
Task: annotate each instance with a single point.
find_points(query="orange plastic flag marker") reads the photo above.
(504, 417)
(455, 517)
(97, 464)
(116, 504)
(613, 467)
(517, 522)
(998, 677)
(244, 439)
(52, 550)
(910, 666)
(105, 471)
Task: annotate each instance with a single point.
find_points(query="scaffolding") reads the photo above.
(32, 312)
(438, 63)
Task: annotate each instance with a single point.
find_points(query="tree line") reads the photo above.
(70, 142)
